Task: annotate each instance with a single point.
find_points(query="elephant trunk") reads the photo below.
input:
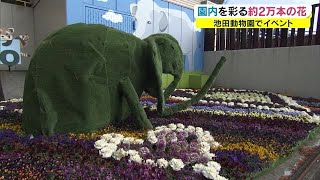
(172, 86)
(183, 105)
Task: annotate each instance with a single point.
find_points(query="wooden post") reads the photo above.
(284, 37)
(255, 38)
(218, 40)
(318, 28)
(311, 25)
(232, 39)
(222, 39)
(250, 39)
(269, 38)
(292, 36)
(238, 37)
(243, 38)
(209, 38)
(228, 39)
(276, 40)
(263, 39)
(300, 37)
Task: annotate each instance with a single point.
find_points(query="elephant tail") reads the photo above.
(183, 105)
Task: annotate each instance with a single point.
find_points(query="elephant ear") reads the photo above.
(167, 58)
(156, 69)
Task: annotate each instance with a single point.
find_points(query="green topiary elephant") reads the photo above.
(87, 76)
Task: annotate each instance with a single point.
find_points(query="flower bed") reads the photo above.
(230, 134)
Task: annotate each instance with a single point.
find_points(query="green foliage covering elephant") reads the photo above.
(86, 76)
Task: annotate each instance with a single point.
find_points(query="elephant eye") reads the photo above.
(171, 46)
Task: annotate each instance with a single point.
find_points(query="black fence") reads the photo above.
(251, 38)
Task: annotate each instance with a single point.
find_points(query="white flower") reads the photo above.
(132, 152)
(198, 167)
(176, 164)
(120, 153)
(199, 133)
(160, 127)
(120, 136)
(231, 104)
(108, 150)
(138, 141)
(215, 144)
(151, 162)
(185, 98)
(205, 147)
(190, 129)
(315, 119)
(15, 100)
(115, 140)
(245, 105)
(206, 133)
(152, 139)
(109, 147)
(100, 144)
(172, 126)
(266, 107)
(212, 173)
(106, 154)
(181, 126)
(208, 155)
(106, 137)
(214, 164)
(179, 130)
(199, 129)
(203, 101)
(136, 158)
(151, 133)
(128, 140)
(166, 130)
(162, 163)
(291, 102)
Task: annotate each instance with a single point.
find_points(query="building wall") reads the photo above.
(21, 19)
(143, 18)
(49, 16)
(290, 70)
(185, 3)
(12, 83)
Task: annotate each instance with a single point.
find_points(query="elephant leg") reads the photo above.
(48, 115)
(133, 101)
